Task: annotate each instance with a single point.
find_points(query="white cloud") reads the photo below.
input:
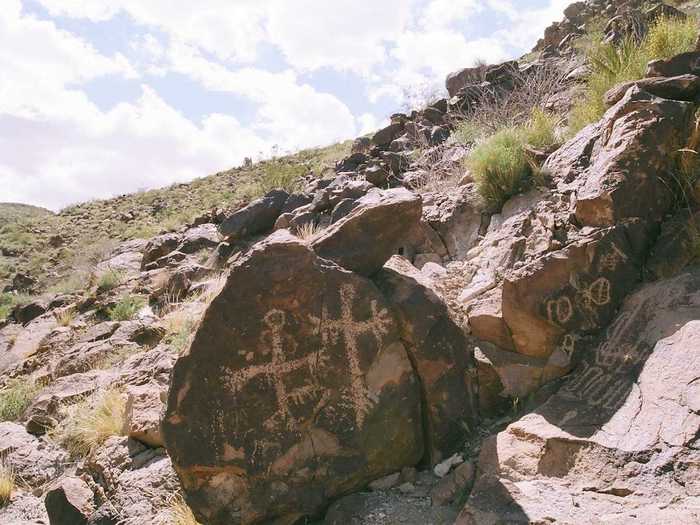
(57, 147)
(230, 30)
(445, 13)
(342, 34)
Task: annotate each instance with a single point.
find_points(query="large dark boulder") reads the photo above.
(441, 354)
(258, 217)
(295, 390)
(363, 240)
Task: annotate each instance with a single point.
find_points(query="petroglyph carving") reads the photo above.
(587, 299)
(344, 330)
(610, 261)
(562, 354)
(599, 292)
(347, 331)
(560, 310)
(275, 371)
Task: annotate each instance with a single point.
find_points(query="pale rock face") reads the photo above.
(623, 425)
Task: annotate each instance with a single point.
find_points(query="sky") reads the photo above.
(104, 97)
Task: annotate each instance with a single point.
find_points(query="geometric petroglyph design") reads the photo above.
(610, 261)
(587, 298)
(276, 370)
(345, 330)
(560, 310)
(604, 381)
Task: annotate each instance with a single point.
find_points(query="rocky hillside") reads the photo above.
(55, 250)
(487, 312)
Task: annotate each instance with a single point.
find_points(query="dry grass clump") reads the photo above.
(214, 288)
(65, 317)
(179, 326)
(181, 513)
(109, 280)
(16, 396)
(7, 482)
(88, 423)
(308, 231)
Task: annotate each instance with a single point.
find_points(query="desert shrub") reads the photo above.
(15, 397)
(467, 132)
(7, 303)
(89, 422)
(126, 308)
(7, 482)
(279, 174)
(109, 279)
(499, 166)
(9, 300)
(499, 163)
(494, 111)
(670, 36)
(613, 64)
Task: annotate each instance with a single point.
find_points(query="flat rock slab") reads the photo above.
(296, 389)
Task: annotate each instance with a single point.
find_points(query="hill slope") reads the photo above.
(50, 246)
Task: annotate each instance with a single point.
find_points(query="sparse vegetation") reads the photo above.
(613, 64)
(280, 174)
(109, 279)
(90, 422)
(7, 303)
(213, 288)
(91, 226)
(7, 482)
(181, 513)
(65, 317)
(126, 308)
(16, 396)
(179, 327)
(494, 111)
(308, 231)
(499, 163)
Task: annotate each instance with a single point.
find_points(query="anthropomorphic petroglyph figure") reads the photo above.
(347, 331)
(275, 371)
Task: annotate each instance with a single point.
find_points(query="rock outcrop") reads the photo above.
(616, 443)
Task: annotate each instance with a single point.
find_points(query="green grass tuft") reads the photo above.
(499, 164)
(109, 280)
(16, 397)
(126, 308)
(612, 65)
